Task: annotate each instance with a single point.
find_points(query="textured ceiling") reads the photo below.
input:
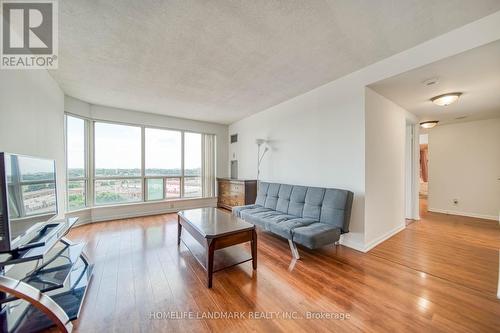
(475, 73)
(220, 61)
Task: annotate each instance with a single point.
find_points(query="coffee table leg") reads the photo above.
(210, 261)
(179, 230)
(254, 249)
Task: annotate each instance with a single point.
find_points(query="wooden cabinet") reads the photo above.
(236, 192)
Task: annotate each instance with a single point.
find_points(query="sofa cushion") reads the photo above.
(285, 228)
(252, 216)
(249, 212)
(278, 216)
(313, 201)
(257, 220)
(272, 196)
(284, 198)
(262, 194)
(336, 208)
(238, 209)
(297, 200)
(316, 235)
(271, 217)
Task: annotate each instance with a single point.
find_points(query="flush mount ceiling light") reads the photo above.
(446, 99)
(429, 124)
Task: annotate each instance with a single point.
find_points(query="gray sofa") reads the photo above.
(310, 216)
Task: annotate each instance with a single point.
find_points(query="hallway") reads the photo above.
(458, 249)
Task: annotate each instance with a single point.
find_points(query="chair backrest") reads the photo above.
(327, 205)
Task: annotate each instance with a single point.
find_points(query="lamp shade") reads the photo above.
(260, 141)
(429, 124)
(446, 99)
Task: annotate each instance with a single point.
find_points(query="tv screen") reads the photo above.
(30, 197)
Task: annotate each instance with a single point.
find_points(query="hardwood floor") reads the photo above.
(436, 275)
(459, 249)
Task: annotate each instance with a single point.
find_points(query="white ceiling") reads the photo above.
(475, 73)
(221, 60)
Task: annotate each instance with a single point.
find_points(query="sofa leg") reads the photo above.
(293, 248)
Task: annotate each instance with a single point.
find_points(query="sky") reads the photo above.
(29, 165)
(119, 146)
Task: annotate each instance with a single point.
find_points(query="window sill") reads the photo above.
(141, 203)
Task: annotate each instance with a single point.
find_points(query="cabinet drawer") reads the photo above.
(224, 193)
(236, 202)
(236, 189)
(225, 201)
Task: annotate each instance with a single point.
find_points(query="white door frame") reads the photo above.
(412, 170)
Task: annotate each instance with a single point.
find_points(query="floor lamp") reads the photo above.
(259, 143)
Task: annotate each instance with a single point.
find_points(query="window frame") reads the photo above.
(90, 178)
(86, 165)
(95, 178)
(164, 198)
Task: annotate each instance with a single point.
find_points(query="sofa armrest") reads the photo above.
(237, 209)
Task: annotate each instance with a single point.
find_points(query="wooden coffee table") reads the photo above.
(219, 233)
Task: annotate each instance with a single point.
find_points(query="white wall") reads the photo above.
(97, 112)
(32, 119)
(464, 164)
(318, 138)
(385, 178)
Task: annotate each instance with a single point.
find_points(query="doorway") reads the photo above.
(424, 171)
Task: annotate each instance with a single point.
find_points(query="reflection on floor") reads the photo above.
(437, 274)
(459, 249)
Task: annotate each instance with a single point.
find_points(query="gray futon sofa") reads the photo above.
(310, 216)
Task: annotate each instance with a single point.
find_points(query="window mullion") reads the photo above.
(165, 188)
(66, 159)
(202, 164)
(143, 163)
(91, 163)
(181, 190)
(82, 132)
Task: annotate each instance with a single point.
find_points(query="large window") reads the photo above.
(117, 163)
(76, 143)
(130, 163)
(163, 152)
(163, 161)
(117, 150)
(111, 191)
(192, 165)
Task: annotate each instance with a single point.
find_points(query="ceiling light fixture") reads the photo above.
(446, 99)
(429, 124)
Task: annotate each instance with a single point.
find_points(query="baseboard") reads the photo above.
(82, 221)
(383, 238)
(453, 212)
(353, 245)
(353, 241)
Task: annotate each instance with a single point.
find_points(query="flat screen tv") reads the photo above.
(28, 199)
